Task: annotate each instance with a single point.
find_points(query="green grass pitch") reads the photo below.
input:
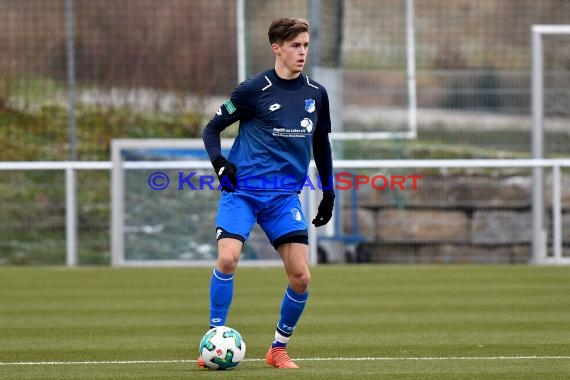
(372, 322)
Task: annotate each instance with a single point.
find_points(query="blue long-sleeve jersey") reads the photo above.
(280, 120)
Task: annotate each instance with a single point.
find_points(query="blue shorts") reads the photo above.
(280, 216)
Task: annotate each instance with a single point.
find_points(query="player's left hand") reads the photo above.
(325, 210)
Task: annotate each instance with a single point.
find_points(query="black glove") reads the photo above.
(227, 174)
(325, 209)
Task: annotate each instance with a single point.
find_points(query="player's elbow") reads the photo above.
(207, 131)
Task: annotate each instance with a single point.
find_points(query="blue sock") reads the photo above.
(221, 292)
(291, 310)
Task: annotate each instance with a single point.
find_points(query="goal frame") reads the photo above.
(119, 166)
(539, 243)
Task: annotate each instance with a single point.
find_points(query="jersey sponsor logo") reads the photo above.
(230, 106)
(307, 124)
(274, 107)
(291, 132)
(310, 105)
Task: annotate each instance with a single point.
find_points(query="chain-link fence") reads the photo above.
(149, 69)
(158, 69)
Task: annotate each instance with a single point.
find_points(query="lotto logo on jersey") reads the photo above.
(274, 107)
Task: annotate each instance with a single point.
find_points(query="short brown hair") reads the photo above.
(285, 29)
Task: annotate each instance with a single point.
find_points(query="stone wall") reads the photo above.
(452, 219)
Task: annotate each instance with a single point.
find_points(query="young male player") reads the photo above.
(282, 114)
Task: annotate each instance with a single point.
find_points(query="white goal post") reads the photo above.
(537, 103)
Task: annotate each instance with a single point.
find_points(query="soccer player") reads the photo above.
(282, 114)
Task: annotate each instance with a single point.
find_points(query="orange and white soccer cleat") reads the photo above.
(200, 362)
(278, 358)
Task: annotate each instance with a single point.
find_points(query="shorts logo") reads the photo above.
(296, 214)
(218, 233)
(310, 105)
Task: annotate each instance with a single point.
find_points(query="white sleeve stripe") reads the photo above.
(309, 83)
(293, 299)
(269, 85)
(222, 279)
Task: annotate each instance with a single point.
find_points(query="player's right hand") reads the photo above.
(227, 174)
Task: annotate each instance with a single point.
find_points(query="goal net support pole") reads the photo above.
(539, 241)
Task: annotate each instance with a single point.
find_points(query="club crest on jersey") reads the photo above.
(310, 105)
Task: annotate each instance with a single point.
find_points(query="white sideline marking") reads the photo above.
(46, 363)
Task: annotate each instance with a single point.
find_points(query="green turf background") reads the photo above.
(105, 314)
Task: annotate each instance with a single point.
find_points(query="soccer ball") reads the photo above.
(222, 348)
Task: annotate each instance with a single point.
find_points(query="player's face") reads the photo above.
(292, 54)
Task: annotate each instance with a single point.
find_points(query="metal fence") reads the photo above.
(446, 215)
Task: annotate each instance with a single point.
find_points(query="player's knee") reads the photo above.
(300, 282)
(227, 263)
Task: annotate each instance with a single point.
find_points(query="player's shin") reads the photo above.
(291, 310)
(221, 293)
